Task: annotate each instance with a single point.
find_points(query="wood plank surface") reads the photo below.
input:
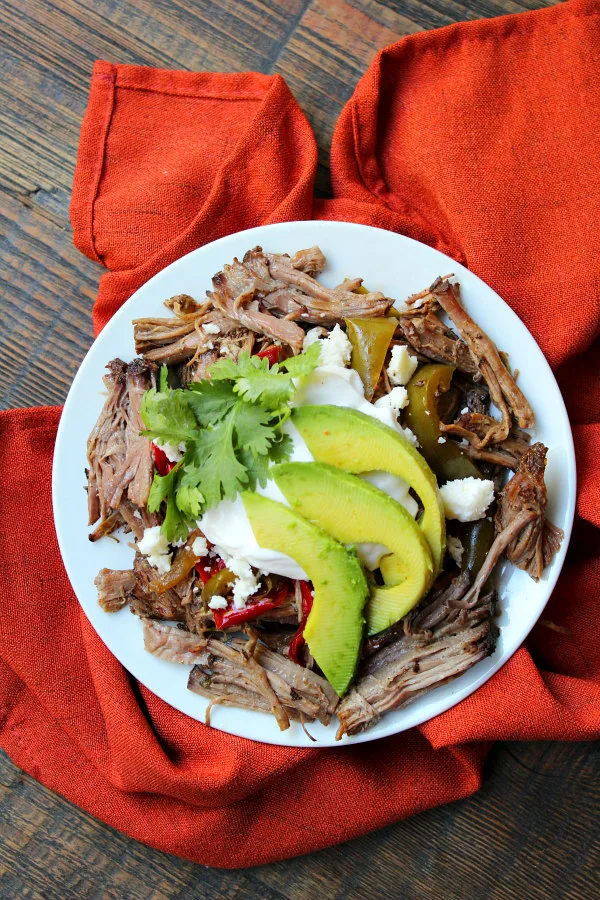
(532, 831)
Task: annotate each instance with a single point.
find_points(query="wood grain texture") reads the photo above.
(532, 831)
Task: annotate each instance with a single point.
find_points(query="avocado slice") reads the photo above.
(353, 441)
(335, 626)
(353, 511)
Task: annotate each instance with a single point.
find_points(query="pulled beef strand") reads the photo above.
(106, 526)
(535, 544)
(234, 293)
(503, 388)
(173, 644)
(244, 673)
(106, 445)
(419, 661)
(119, 457)
(317, 303)
(506, 454)
(148, 604)
(173, 341)
(113, 586)
(268, 291)
(430, 337)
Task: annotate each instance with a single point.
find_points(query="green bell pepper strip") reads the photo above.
(445, 458)
(370, 339)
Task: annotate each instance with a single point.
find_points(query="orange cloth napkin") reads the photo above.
(482, 139)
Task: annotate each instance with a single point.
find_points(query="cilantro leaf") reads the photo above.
(272, 391)
(211, 402)
(163, 380)
(221, 474)
(190, 499)
(270, 386)
(224, 370)
(253, 428)
(167, 416)
(231, 424)
(281, 449)
(163, 489)
(257, 468)
(304, 363)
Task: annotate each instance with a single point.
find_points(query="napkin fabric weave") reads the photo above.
(481, 139)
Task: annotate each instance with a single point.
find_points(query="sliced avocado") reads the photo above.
(335, 625)
(353, 511)
(353, 441)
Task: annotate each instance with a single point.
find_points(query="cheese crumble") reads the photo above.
(155, 548)
(336, 350)
(246, 583)
(401, 366)
(217, 602)
(397, 399)
(467, 499)
(199, 546)
(173, 453)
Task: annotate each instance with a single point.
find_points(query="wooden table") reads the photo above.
(531, 832)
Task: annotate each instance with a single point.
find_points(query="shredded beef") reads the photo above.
(113, 588)
(246, 673)
(535, 544)
(442, 642)
(119, 457)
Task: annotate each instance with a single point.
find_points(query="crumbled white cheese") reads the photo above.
(410, 436)
(155, 548)
(464, 410)
(199, 546)
(217, 602)
(441, 440)
(467, 499)
(455, 548)
(137, 514)
(313, 335)
(336, 350)
(172, 452)
(402, 365)
(210, 346)
(246, 583)
(211, 328)
(179, 543)
(397, 399)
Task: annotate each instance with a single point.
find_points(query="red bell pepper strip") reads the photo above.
(207, 563)
(162, 461)
(226, 618)
(297, 642)
(271, 353)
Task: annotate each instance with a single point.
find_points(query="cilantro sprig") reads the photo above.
(231, 425)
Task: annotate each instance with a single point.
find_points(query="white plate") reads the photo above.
(398, 266)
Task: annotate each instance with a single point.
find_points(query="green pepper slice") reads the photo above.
(445, 458)
(370, 339)
(476, 538)
(218, 585)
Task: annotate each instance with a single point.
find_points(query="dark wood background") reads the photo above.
(532, 831)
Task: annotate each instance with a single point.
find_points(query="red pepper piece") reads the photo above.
(306, 590)
(206, 562)
(297, 642)
(271, 353)
(226, 618)
(162, 461)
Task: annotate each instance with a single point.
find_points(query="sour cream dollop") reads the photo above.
(227, 524)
